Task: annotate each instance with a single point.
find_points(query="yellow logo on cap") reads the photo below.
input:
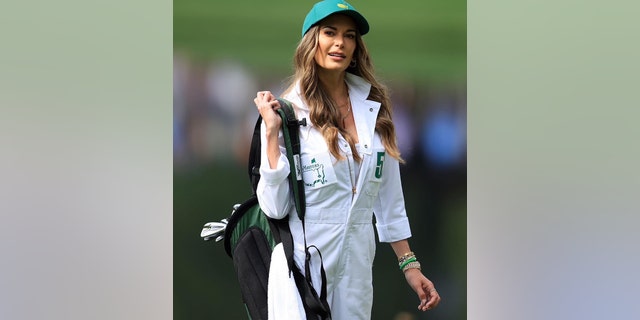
(343, 6)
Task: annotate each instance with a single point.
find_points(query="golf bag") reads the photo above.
(250, 236)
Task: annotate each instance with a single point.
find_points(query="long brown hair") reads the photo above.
(323, 111)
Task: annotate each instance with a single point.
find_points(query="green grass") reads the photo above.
(419, 40)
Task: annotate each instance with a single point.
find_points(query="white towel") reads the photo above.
(282, 294)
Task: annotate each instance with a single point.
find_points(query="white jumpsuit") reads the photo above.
(339, 224)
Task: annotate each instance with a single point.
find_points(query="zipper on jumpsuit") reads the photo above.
(342, 260)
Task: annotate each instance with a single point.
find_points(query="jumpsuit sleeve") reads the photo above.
(273, 186)
(391, 216)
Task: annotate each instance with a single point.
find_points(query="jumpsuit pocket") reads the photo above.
(372, 188)
(319, 177)
(375, 177)
(319, 195)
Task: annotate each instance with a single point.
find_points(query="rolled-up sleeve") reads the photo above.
(273, 187)
(392, 223)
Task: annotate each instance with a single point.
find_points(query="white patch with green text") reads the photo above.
(317, 170)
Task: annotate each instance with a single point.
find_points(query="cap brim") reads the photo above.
(361, 22)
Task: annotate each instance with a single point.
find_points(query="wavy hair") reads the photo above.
(323, 111)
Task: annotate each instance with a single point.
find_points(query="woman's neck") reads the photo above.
(334, 84)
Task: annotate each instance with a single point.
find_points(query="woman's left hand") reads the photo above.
(429, 297)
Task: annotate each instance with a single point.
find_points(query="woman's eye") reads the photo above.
(351, 36)
(329, 33)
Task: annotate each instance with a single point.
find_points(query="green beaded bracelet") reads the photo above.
(412, 259)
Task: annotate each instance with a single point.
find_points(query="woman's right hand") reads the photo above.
(267, 106)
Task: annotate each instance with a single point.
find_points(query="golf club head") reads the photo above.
(216, 229)
(212, 230)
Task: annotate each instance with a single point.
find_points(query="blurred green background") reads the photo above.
(417, 40)
(225, 51)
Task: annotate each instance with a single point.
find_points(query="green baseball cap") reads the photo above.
(326, 8)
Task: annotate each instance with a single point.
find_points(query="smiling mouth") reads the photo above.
(337, 55)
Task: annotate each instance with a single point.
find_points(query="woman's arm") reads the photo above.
(391, 216)
(424, 288)
(267, 106)
(273, 187)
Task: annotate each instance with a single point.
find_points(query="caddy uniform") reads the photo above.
(342, 197)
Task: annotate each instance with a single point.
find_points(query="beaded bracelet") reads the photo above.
(405, 263)
(412, 265)
(405, 259)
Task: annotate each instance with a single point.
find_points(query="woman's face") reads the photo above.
(336, 42)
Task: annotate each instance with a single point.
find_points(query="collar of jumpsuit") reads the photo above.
(364, 111)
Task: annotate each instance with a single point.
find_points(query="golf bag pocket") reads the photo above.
(251, 260)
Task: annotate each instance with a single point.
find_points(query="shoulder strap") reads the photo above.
(291, 132)
(313, 303)
(254, 156)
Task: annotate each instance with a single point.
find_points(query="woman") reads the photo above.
(350, 163)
